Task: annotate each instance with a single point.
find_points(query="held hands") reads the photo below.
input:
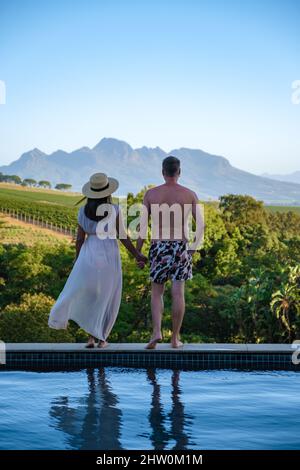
(141, 260)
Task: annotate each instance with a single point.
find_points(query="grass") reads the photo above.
(39, 195)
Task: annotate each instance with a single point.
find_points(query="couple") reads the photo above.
(92, 294)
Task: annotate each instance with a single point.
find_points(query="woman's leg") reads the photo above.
(91, 342)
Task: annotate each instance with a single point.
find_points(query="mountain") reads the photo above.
(290, 178)
(209, 175)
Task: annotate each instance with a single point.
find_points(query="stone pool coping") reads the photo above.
(140, 347)
(71, 356)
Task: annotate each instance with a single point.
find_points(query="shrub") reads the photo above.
(27, 322)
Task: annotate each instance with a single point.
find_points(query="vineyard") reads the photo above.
(58, 216)
(57, 210)
(14, 232)
(43, 208)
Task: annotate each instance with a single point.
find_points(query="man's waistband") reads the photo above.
(177, 242)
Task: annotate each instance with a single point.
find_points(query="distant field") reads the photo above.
(283, 209)
(39, 195)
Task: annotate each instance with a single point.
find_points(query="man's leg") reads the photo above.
(178, 308)
(157, 307)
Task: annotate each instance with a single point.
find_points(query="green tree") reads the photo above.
(218, 256)
(242, 210)
(44, 184)
(10, 179)
(285, 304)
(29, 182)
(63, 187)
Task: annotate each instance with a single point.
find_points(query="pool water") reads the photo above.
(114, 408)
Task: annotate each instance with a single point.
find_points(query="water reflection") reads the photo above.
(158, 420)
(96, 420)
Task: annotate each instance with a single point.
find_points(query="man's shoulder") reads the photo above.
(157, 191)
(188, 192)
(153, 190)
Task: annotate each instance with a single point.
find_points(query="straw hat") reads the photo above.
(100, 185)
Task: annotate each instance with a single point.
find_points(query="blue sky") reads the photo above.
(210, 74)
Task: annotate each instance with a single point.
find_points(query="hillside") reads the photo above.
(290, 178)
(209, 175)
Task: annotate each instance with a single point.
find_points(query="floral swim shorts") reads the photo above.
(170, 260)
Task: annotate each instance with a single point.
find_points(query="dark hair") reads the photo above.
(92, 205)
(171, 166)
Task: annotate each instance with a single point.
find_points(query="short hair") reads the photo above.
(171, 166)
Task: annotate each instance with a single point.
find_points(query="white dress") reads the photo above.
(92, 294)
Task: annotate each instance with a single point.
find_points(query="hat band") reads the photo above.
(101, 189)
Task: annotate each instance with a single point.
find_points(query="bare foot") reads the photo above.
(90, 343)
(176, 343)
(102, 344)
(153, 342)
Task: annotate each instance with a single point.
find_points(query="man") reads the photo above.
(169, 206)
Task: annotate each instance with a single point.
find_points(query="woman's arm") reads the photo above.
(126, 241)
(132, 249)
(79, 240)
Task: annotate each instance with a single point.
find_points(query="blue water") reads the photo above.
(137, 409)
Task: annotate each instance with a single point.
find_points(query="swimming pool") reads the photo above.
(114, 408)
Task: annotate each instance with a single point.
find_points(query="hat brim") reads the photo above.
(113, 185)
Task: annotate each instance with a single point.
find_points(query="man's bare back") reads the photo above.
(182, 201)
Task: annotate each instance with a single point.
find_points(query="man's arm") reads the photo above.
(198, 216)
(144, 222)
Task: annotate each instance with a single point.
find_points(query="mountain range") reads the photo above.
(290, 177)
(209, 175)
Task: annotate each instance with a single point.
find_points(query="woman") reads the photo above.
(92, 294)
